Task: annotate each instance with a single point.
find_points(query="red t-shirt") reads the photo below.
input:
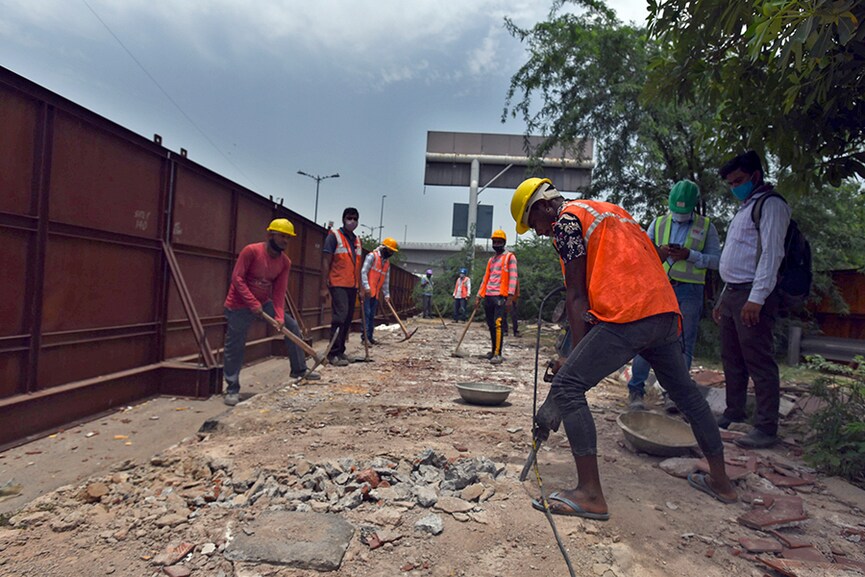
(256, 278)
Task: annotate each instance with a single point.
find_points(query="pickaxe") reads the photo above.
(465, 330)
(407, 334)
(300, 342)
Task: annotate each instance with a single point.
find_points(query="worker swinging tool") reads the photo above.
(619, 303)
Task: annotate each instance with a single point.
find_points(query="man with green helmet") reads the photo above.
(258, 284)
(689, 245)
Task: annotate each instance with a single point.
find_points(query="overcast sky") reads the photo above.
(273, 87)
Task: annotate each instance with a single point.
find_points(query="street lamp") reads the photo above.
(317, 180)
(381, 218)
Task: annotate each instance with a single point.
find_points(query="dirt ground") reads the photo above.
(136, 506)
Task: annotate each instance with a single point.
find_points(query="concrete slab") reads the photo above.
(315, 541)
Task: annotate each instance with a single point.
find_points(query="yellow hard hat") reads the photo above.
(500, 234)
(282, 225)
(519, 203)
(391, 244)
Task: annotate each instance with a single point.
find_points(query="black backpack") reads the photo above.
(794, 274)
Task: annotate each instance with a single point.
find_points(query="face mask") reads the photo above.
(349, 225)
(273, 246)
(385, 253)
(743, 190)
(499, 249)
(678, 217)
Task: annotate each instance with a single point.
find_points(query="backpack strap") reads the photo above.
(757, 213)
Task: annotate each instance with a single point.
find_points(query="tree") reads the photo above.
(588, 72)
(784, 77)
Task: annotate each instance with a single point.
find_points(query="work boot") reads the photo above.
(756, 439)
(348, 358)
(635, 401)
(337, 361)
(497, 360)
(490, 355)
(308, 375)
(231, 399)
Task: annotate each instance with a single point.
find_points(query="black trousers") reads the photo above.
(749, 352)
(494, 309)
(342, 303)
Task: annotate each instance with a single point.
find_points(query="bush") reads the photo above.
(836, 445)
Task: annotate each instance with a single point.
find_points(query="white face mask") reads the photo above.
(678, 217)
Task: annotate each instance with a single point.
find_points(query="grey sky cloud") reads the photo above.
(280, 86)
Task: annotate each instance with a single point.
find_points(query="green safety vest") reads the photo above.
(684, 271)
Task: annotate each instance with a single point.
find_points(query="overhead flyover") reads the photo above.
(482, 161)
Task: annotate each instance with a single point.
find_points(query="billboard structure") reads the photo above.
(502, 161)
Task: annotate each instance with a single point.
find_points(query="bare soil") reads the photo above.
(118, 520)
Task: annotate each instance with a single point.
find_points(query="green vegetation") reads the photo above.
(836, 445)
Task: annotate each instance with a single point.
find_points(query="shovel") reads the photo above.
(407, 334)
(456, 352)
(300, 342)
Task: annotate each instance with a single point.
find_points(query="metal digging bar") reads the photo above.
(319, 360)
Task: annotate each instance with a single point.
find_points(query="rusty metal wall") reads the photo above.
(87, 209)
(849, 325)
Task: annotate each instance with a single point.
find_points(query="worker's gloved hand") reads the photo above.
(547, 419)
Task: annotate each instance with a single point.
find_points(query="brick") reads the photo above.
(791, 541)
(754, 545)
(804, 554)
(785, 511)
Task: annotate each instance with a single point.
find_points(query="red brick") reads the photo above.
(785, 511)
(792, 541)
(755, 545)
(804, 554)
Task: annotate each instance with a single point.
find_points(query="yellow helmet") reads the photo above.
(282, 225)
(391, 244)
(519, 203)
(500, 234)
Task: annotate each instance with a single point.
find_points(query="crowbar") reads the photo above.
(439, 313)
(402, 326)
(365, 358)
(319, 360)
(465, 330)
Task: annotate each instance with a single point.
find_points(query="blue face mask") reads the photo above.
(743, 190)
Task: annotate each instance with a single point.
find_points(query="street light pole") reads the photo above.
(317, 180)
(381, 218)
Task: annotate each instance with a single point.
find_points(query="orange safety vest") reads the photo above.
(505, 283)
(461, 288)
(344, 269)
(377, 273)
(625, 277)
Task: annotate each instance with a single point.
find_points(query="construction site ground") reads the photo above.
(121, 494)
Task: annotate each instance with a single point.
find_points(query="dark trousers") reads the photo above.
(513, 316)
(459, 310)
(427, 306)
(749, 352)
(235, 344)
(370, 306)
(342, 312)
(494, 309)
(604, 349)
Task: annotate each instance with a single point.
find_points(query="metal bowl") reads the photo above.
(483, 393)
(657, 434)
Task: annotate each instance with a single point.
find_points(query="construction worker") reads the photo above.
(427, 288)
(498, 291)
(689, 246)
(462, 290)
(258, 284)
(375, 281)
(619, 303)
(340, 274)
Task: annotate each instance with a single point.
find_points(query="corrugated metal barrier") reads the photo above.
(117, 254)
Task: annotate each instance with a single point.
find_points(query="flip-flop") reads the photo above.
(576, 510)
(699, 482)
